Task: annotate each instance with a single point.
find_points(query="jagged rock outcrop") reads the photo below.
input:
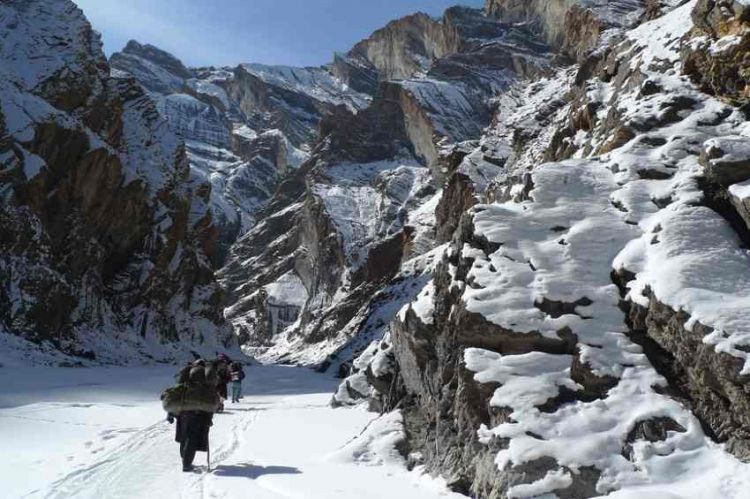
(717, 59)
(363, 208)
(105, 242)
(572, 26)
(599, 276)
(158, 71)
(243, 155)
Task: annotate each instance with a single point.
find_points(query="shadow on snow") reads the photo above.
(252, 471)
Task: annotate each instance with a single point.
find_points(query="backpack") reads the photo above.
(190, 397)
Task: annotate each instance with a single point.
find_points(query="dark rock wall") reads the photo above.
(718, 61)
(101, 244)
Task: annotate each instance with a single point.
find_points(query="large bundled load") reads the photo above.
(195, 391)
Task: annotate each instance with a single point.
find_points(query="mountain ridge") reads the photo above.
(523, 229)
(106, 239)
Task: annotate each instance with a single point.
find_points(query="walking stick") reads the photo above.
(208, 456)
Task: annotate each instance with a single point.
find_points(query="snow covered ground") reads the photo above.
(100, 433)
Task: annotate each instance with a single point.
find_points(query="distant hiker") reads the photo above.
(237, 374)
(223, 377)
(193, 404)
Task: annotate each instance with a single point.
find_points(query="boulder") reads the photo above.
(727, 159)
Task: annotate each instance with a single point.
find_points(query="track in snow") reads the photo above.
(109, 440)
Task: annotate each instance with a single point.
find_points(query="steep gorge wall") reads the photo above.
(572, 26)
(362, 209)
(407, 46)
(516, 341)
(245, 128)
(106, 242)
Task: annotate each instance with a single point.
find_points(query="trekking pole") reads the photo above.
(208, 457)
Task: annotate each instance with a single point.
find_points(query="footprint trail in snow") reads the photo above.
(111, 441)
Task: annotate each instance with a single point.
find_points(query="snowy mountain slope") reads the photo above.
(106, 238)
(520, 234)
(242, 159)
(584, 334)
(365, 203)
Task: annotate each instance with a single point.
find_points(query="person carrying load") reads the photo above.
(192, 403)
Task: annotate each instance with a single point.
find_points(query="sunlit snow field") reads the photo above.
(100, 433)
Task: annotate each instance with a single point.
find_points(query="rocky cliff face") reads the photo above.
(400, 50)
(524, 228)
(584, 329)
(574, 26)
(245, 128)
(105, 239)
(355, 228)
(293, 100)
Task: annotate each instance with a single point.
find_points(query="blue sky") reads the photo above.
(226, 32)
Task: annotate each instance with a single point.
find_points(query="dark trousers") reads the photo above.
(187, 451)
(192, 434)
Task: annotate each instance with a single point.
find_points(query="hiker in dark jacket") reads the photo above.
(193, 426)
(237, 374)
